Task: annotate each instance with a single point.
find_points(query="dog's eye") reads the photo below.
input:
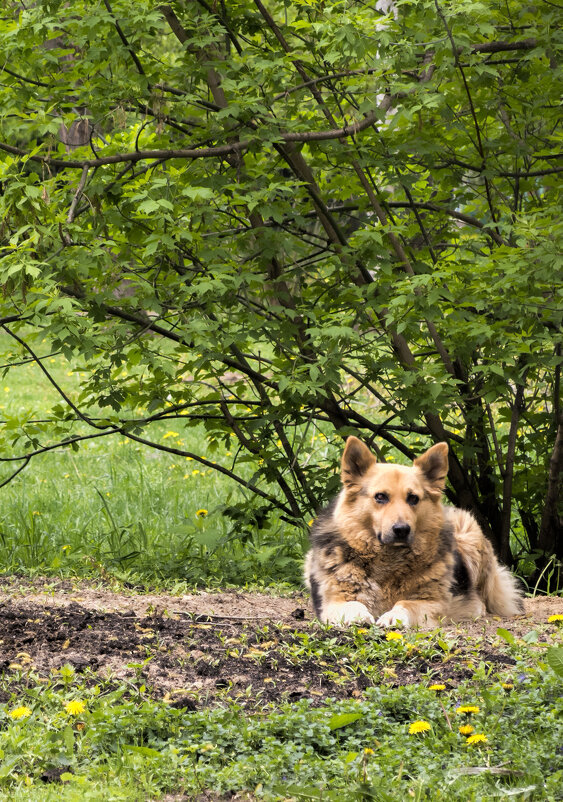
(381, 498)
(412, 499)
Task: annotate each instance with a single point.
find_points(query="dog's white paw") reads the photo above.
(352, 612)
(397, 616)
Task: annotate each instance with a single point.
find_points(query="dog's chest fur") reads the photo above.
(382, 574)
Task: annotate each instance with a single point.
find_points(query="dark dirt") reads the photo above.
(195, 650)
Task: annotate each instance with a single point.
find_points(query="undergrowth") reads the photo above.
(72, 736)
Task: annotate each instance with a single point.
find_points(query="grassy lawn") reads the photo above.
(117, 507)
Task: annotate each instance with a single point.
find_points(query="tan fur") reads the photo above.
(388, 550)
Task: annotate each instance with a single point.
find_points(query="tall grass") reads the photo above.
(116, 507)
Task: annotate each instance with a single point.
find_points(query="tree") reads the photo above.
(280, 217)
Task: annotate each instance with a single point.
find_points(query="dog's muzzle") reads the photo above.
(398, 535)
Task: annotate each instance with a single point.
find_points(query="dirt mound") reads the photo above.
(194, 649)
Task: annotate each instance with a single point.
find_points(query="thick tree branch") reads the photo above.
(197, 153)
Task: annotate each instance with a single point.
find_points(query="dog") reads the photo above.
(387, 551)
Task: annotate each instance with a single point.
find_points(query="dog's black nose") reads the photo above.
(401, 531)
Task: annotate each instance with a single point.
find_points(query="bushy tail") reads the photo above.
(501, 591)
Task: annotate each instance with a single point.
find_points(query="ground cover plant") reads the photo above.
(318, 713)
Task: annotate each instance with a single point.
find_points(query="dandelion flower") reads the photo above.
(201, 513)
(170, 434)
(467, 729)
(361, 631)
(478, 738)
(437, 687)
(369, 751)
(75, 708)
(419, 726)
(508, 686)
(393, 636)
(553, 618)
(467, 709)
(20, 712)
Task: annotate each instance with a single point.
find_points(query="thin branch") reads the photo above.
(214, 466)
(23, 78)
(502, 47)
(59, 389)
(505, 552)
(123, 38)
(15, 473)
(471, 106)
(77, 195)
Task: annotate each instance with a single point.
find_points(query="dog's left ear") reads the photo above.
(356, 460)
(434, 465)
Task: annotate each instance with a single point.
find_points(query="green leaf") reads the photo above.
(506, 635)
(342, 720)
(554, 657)
(146, 751)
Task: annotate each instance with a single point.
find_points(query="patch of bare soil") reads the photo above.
(196, 649)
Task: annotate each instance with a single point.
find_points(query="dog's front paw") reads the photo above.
(342, 613)
(397, 616)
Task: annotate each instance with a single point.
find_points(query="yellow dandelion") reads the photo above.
(393, 636)
(201, 513)
(467, 729)
(508, 686)
(437, 687)
(467, 709)
(195, 472)
(554, 618)
(362, 631)
(75, 708)
(478, 738)
(369, 751)
(170, 434)
(419, 726)
(20, 712)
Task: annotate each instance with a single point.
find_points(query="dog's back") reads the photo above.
(495, 585)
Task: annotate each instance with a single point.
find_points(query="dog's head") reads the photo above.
(399, 504)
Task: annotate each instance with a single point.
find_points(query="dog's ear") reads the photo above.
(434, 465)
(356, 460)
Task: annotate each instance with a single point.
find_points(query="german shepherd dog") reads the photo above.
(387, 551)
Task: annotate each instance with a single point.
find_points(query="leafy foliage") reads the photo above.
(288, 219)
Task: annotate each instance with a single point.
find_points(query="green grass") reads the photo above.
(126, 746)
(119, 508)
